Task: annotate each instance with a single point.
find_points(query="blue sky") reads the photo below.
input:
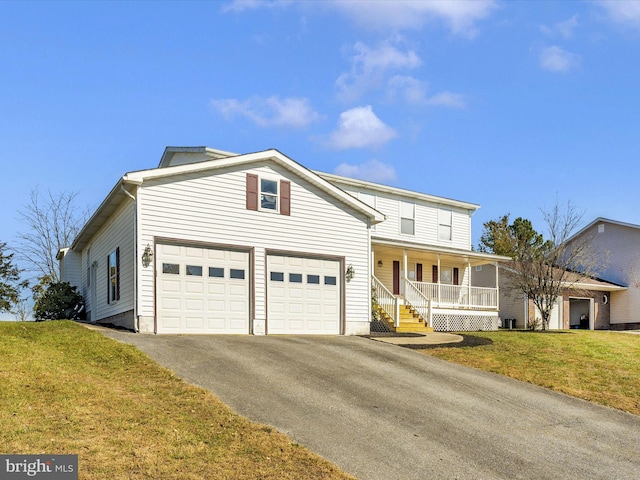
(510, 105)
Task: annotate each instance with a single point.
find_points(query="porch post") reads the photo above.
(495, 264)
(405, 265)
(439, 270)
(469, 282)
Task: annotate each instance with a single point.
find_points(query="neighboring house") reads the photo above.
(617, 245)
(215, 242)
(583, 304)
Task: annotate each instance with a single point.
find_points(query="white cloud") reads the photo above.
(623, 12)
(371, 170)
(564, 29)
(415, 92)
(360, 128)
(555, 59)
(238, 6)
(447, 99)
(269, 112)
(460, 16)
(369, 66)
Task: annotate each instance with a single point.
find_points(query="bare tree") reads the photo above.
(542, 269)
(53, 221)
(21, 310)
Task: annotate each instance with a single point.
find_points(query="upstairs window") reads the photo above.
(407, 218)
(268, 194)
(444, 225)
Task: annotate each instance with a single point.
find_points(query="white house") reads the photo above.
(216, 242)
(617, 245)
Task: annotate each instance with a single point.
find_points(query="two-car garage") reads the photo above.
(210, 290)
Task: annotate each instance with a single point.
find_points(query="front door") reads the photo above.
(396, 277)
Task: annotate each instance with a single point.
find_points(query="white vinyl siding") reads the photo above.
(211, 209)
(117, 232)
(71, 269)
(426, 222)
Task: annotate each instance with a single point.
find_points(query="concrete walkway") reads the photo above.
(433, 338)
(382, 412)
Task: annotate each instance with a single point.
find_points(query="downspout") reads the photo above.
(136, 320)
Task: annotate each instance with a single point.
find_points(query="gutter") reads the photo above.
(136, 319)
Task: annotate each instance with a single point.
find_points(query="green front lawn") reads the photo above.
(66, 389)
(599, 366)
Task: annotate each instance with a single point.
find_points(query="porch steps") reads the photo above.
(410, 321)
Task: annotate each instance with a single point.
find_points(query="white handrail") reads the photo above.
(417, 300)
(386, 300)
(457, 296)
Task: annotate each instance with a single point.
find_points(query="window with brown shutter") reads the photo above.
(252, 191)
(434, 274)
(113, 276)
(455, 275)
(285, 197)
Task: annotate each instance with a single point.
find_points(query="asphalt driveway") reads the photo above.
(380, 411)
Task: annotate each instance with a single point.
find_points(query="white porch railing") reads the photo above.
(420, 302)
(387, 301)
(457, 296)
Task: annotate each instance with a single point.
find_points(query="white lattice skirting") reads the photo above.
(444, 322)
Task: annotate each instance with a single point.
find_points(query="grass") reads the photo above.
(66, 389)
(602, 367)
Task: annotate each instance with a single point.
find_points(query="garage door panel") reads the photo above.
(303, 295)
(196, 294)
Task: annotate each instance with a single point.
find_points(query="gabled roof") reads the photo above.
(604, 220)
(578, 281)
(127, 184)
(398, 191)
(206, 153)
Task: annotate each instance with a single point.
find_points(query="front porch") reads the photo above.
(460, 297)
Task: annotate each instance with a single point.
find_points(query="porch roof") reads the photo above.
(384, 245)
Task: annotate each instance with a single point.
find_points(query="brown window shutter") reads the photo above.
(418, 272)
(118, 273)
(434, 274)
(455, 275)
(252, 191)
(285, 197)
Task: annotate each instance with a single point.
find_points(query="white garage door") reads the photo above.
(303, 295)
(202, 290)
(555, 318)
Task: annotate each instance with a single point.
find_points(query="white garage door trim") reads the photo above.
(202, 289)
(304, 294)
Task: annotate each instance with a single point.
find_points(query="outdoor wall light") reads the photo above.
(350, 273)
(147, 256)
(379, 263)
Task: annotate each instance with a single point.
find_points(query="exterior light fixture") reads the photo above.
(379, 263)
(147, 256)
(350, 273)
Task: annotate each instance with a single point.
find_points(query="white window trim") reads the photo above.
(441, 223)
(402, 217)
(113, 277)
(277, 194)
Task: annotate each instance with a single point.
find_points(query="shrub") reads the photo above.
(58, 301)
